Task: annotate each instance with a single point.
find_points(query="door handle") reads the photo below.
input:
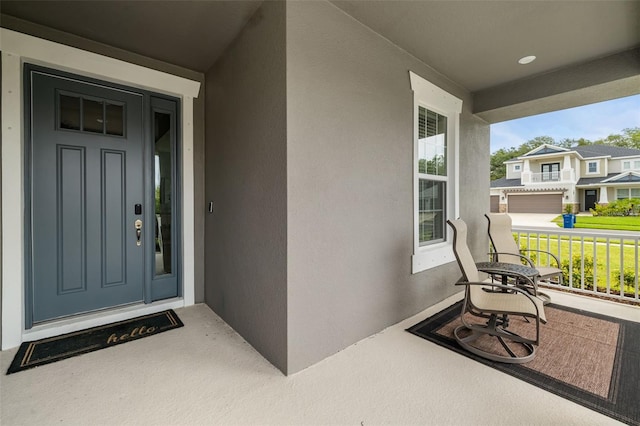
(138, 226)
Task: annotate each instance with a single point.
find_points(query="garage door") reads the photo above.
(495, 204)
(540, 203)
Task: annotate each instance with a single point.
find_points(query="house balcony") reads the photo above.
(548, 177)
(545, 177)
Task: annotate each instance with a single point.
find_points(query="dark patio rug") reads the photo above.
(52, 349)
(590, 359)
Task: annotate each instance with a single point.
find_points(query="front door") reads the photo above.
(590, 198)
(87, 197)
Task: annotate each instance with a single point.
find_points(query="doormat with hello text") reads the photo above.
(52, 349)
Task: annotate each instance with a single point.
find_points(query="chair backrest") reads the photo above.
(501, 237)
(462, 252)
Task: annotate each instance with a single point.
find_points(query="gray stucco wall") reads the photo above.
(350, 184)
(246, 178)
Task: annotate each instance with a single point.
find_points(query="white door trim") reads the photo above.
(17, 49)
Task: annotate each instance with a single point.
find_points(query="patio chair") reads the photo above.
(494, 303)
(505, 249)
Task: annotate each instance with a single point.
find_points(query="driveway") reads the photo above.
(538, 220)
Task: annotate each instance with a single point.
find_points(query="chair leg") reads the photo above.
(491, 328)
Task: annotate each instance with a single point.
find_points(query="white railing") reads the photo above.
(545, 177)
(598, 263)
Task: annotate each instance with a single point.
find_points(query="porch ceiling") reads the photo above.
(191, 34)
(475, 43)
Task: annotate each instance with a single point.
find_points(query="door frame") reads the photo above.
(149, 103)
(585, 198)
(18, 48)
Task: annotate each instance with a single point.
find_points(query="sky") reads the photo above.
(591, 122)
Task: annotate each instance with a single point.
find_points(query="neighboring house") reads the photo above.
(548, 178)
(296, 160)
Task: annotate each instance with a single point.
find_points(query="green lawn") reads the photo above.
(615, 223)
(595, 260)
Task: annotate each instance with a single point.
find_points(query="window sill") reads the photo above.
(432, 257)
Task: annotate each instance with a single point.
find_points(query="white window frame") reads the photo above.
(597, 163)
(629, 193)
(430, 96)
(517, 167)
(618, 190)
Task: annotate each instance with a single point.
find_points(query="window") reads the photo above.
(432, 175)
(551, 172)
(624, 193)
(81, 113)
(631, 164)
(436, 123)
(592, 167)
(516, 167)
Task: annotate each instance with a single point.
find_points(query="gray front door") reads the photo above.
(87, 193)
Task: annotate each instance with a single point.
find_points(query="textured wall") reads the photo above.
(246, 172)
(350, 183)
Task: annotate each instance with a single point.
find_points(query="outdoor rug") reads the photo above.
(52, 349)
(590, 359)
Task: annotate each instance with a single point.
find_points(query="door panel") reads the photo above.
(86, 176)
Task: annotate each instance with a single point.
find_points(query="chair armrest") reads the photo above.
(546, 252)
(505, 287)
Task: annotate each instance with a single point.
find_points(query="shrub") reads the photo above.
(626, 207)
(628, 278)
(576, 275)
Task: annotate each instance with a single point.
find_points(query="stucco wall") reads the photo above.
(350, 184)
(246, 172)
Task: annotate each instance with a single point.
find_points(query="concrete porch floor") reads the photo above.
(204, 373)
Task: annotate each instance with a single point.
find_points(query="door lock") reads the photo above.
(138, 226)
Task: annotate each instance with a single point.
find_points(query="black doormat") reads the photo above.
(577, 349)
(52, 349)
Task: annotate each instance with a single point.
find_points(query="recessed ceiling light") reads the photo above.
(526, 60)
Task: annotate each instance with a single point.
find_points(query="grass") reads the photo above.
(595, 261)
(614, 223)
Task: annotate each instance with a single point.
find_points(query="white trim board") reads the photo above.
(17, 49)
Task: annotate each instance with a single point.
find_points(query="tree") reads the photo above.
(630, 138)
(499, 170)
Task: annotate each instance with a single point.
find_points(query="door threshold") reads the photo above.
(94, 319)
